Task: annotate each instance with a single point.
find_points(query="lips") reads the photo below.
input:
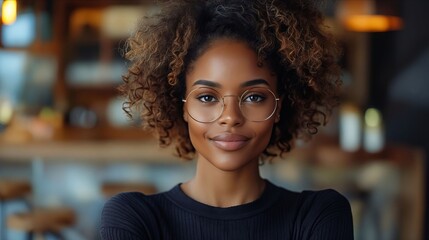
(230, 142)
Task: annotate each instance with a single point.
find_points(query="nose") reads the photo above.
(231, 114)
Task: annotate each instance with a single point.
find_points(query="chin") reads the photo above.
(232, 162)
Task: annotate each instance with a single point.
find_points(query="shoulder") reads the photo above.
(325, 214)
(324, 198)
(324, 203)
(130, 213)
(313, 201)
(126, 205)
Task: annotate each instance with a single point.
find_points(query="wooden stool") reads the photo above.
(11, 190)
(42, 221)
(113, 188)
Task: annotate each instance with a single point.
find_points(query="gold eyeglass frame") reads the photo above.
(239, 104)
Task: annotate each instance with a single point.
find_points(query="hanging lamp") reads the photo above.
(369, 15)
(9, 12)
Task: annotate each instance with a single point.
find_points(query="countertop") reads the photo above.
(100, 150)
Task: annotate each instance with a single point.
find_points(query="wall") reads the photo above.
(399, 80)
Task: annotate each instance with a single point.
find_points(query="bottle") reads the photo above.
(350, 127)
(373, 137)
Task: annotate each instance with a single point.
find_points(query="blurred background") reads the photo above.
(66, 146)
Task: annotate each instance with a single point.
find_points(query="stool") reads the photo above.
(113, 188)
(41, 221)
(11, 190)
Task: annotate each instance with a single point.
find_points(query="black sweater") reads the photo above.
(277, 214)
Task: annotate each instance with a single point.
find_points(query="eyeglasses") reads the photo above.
(206, 105)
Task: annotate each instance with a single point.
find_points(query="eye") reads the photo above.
(206, 98)
(254, 98)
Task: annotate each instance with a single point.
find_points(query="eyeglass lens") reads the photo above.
(207, 105)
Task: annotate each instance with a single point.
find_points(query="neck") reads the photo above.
(219, 188)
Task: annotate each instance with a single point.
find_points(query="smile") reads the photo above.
(230, 142)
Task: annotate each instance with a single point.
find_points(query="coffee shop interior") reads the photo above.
(66, 146)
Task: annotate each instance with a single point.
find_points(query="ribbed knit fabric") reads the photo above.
(277, 214)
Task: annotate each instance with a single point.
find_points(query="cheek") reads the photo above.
(265, 132)
(197, 131)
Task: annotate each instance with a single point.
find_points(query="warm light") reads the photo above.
(368, 15)
(372, 23)
(9, 10)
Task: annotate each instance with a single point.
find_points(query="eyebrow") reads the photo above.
(207, 83)
(245, 84)
(255, 82)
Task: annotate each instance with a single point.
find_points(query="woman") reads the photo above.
(231, 83)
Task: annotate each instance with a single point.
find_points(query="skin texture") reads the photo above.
(228, 149)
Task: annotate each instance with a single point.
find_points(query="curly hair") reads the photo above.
(288, 35)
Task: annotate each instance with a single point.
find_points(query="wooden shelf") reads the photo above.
(146, 151)
(104, 133)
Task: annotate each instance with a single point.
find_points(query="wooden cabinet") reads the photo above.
(91, 65)
(81, 42)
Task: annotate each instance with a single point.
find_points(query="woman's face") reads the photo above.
(228, 68)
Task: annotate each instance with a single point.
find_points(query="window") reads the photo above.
(21, 33)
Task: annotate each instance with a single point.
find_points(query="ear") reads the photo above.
(185, 114)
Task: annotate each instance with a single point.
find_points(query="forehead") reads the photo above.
(229, 64)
